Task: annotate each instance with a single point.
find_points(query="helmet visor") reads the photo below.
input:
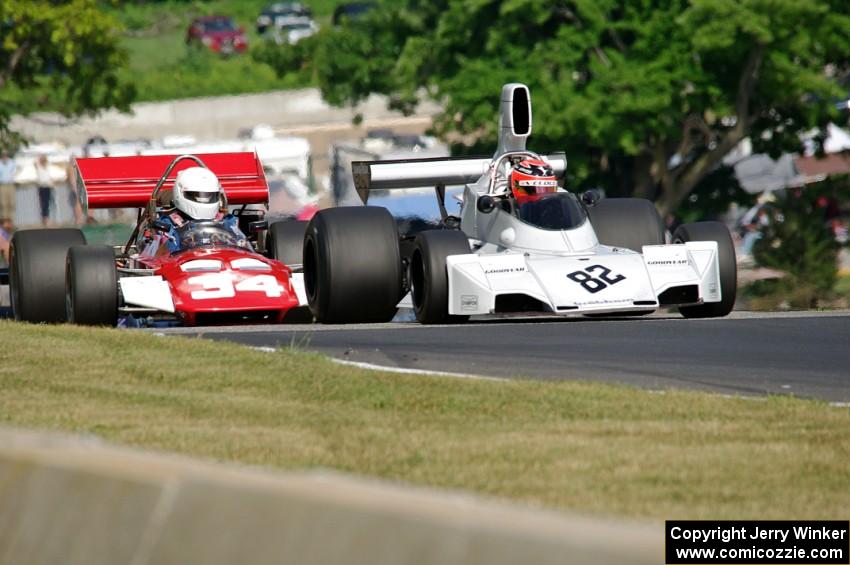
(201, 197)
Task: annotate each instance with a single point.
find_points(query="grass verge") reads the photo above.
(163, 68)
(596, 448)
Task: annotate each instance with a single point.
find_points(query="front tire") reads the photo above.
(91, 286)
(429, 278)
(352, 265)
(37, 273)
(713, 231)
(630, 223)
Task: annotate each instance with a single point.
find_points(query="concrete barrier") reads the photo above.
(213, 117)
(70, 500)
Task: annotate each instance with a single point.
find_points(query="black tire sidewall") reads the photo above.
(429, 277)
(629, 223)
(317, 274)
(717, 232)
(91, 290)
(285, 241)
(352, 265)
(37, 273)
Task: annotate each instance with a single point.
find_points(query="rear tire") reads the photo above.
(285, 241)
(630, 223)
(713, 231)
(37, 273)
(429, 277)
(352, 265)
(91, 286)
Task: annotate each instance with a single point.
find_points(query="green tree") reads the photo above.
(800, 243)
(58, 55)
(711, 198)
(645, 96)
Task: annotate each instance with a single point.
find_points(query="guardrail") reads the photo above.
(76, 500)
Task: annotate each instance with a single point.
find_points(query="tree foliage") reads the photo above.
(645, 96)
(59, 54)
(711, 198)
(800, 243)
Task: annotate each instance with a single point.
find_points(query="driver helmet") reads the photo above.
(532, 178)
(197, 193)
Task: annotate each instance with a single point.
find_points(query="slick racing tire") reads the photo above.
(285, 241)
(630, 223)
(91, 286)
(713, 231)
(429, 277)
(352, 265)
(37, 273)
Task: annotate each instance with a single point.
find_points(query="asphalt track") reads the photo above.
(805, 354)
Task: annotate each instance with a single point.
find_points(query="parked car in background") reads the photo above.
(351, 11)
(217, 33)
(283, 14)
(292, 34)
(286, 22)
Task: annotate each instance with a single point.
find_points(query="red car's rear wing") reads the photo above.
(128, 182)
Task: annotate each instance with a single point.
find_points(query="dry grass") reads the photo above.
(589, 447)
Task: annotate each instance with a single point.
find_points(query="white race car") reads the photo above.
(558, 254)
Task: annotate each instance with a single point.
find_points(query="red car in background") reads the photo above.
(217, 33)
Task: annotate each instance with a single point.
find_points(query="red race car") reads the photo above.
(217, 33)
(188, 260)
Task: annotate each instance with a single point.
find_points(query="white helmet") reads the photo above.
(197, 193)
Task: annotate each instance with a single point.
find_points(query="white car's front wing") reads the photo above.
(608, 280)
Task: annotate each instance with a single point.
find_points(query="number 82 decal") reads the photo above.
(220, 285)
(591, 284)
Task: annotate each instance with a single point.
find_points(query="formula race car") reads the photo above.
(195, 269)
(521, 244)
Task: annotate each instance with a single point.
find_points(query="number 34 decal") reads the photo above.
(592, 284)
(220, 285)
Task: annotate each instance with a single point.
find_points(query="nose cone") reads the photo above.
(229, 280)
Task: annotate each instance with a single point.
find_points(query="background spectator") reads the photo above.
(7, 189)
(671, 222)
(45, 188)
(753, 225)
(73, 193)
(5, 238)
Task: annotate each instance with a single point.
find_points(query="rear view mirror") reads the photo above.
(485, 204)
(590, 197)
